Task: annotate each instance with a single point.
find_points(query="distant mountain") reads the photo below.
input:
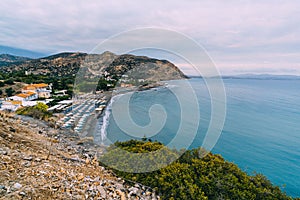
(255, 76)
(6, 59)
(263, 77)
(68, 63)
(20, 52)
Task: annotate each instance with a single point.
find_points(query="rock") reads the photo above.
(121, 194)
(80, 177)
(3, 152)
(133, 190)
(97, 179)
(28, 158)
(2, 187)
(119, 186)
(26, 164)
(17, 186)
(22, 193)
(85, 140)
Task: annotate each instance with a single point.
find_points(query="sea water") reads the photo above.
(261, 133)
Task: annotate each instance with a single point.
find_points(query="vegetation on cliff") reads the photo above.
(191, 176)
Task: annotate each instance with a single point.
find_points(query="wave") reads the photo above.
(105, 121)
(106, 117)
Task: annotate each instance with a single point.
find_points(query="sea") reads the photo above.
(261, 132)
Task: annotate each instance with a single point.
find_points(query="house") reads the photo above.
(41, 89)
(28, 96)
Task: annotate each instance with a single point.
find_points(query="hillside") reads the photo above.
(142, 67)
(39, 162)
(57, 65)
(68, 64)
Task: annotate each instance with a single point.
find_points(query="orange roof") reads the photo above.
(35, 86)
(31, 93)
(24, 95)
(15, 102)
(29, 88)
(40, 85)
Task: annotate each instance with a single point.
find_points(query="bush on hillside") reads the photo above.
(38, 111)
(190, 177)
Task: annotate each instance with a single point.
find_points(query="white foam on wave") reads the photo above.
(106, 118)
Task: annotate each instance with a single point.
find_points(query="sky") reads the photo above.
(245, 36)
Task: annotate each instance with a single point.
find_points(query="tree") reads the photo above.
(9, 91)
(9, 82)
(41, 106)
(38, 111)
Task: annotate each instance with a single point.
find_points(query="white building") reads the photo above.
(11, 105)
(27, 97)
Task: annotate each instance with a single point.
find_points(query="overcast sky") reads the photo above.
(240, 36)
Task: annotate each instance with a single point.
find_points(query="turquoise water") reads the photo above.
(261, 132)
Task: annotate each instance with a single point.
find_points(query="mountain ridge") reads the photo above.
(68, 63)
(6, 59)
(20, 52)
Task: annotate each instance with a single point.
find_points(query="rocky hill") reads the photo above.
(6, 59)
(68, 64)
(40, 162)
(142, 67)
(57, 65)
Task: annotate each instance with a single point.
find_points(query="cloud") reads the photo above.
(230, 30)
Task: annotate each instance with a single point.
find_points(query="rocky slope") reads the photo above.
(65, 64)
(142, 67)
(39, 162)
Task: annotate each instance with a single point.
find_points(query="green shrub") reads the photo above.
(38, 111)
(191, 176)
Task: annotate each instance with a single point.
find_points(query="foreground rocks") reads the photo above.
(39, 162)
